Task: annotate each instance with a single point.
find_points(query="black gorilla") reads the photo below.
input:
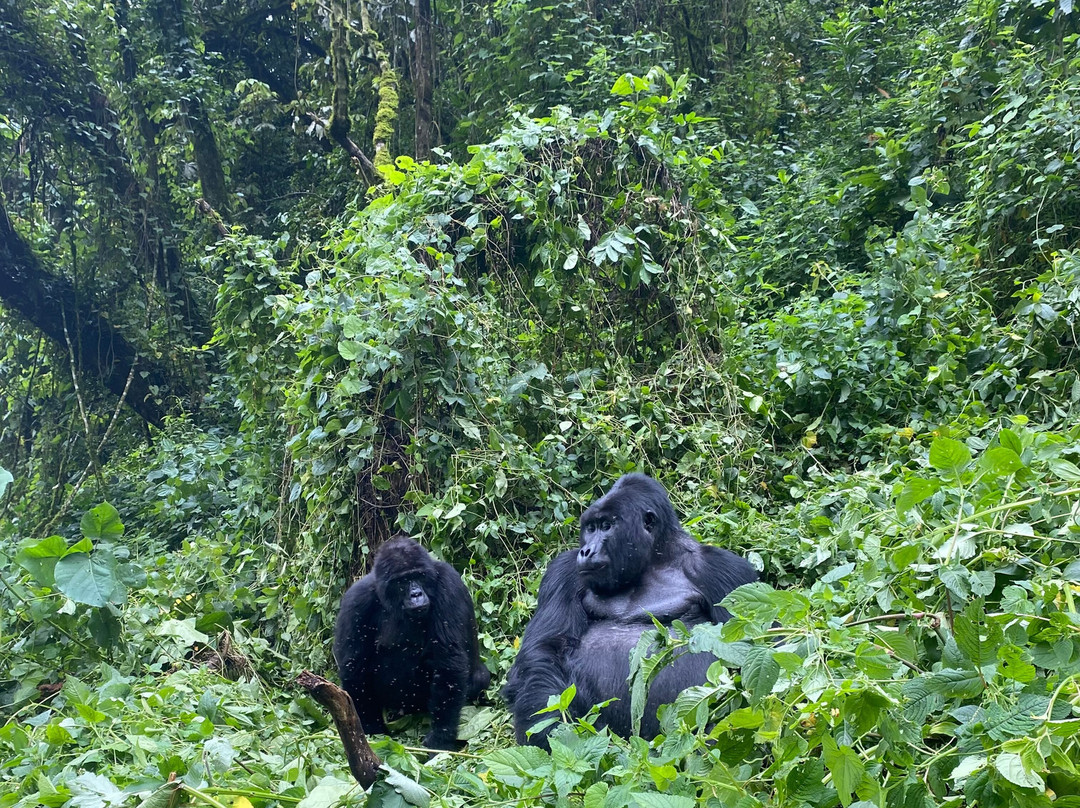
(406, 641)
(635, 562)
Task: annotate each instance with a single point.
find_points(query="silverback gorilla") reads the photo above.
(635, 562)
(406, 641)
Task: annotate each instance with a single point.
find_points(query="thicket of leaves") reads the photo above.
(847, 346)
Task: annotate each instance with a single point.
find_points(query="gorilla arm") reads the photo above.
(554, 631)
(715, 572)
(451, 655)
(354, 649)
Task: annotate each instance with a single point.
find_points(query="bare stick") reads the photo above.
(363, 762)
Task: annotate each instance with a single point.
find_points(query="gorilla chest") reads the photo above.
(600, 663)
(663, 593)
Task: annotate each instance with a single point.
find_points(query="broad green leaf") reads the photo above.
(977, 641)
(102, 523)
(955, 578)
(957, 683)
(90, 790)
(513, 766)
(805, 782)
(760, 672)
(412, 792)
(744, 718)
(1010, 440)
(1012, 769)
(757, 601)
(949, 456)
(1001, 461)
(350, 350)
(182, 630)
(329, 792)
(846, 767)
(595, 795)
(39, 559)
(1063, 469)
(90, 579)
(457, 509)
(105, 627)
(162, 797)
(915, 491)
(921, 699)
(651, 799)
(1004, 722)
(748, 206)
(968, 766)
(622, 86)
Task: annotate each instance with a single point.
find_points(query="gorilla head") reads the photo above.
(404, 575)
(624, 532)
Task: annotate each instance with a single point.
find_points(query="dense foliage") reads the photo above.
(812, 265)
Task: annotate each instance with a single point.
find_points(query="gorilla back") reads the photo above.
(635, 562)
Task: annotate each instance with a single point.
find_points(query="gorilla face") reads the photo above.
(622, 533)
(404, 575)
(414, 599)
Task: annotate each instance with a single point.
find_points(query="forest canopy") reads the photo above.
(281, 280)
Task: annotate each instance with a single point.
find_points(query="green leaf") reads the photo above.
(182, 630)
(1010, 440)
(1012, 769)
(650, 799)
(622, 86)
(846, 767)
(978, 642)
(968, 766)
(757, 601)
(162, 797)
(412, 792)
(748, 206)
(949, 456)
(105, 627)
(915, 491)
(102, 523)
(329, 792)
(595, 795)
(1001, 462)
(350, 350)
(957, 683)
(90, 579)
(760, 672)
(515, 765)
(39, 558)
(921, 699)
(1063, 469)
(1004, 722)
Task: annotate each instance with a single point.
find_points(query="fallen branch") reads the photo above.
(363, 762)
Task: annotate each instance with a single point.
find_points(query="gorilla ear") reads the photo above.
(650, 521)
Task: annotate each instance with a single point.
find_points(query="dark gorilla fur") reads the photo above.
(635, 562)
(406, 641)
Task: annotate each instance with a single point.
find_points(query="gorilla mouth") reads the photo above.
(592, 568)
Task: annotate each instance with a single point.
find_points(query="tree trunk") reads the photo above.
(423, 79)
(177, 46)
(51, 304)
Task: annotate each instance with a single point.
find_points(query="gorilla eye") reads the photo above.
(605, 526)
